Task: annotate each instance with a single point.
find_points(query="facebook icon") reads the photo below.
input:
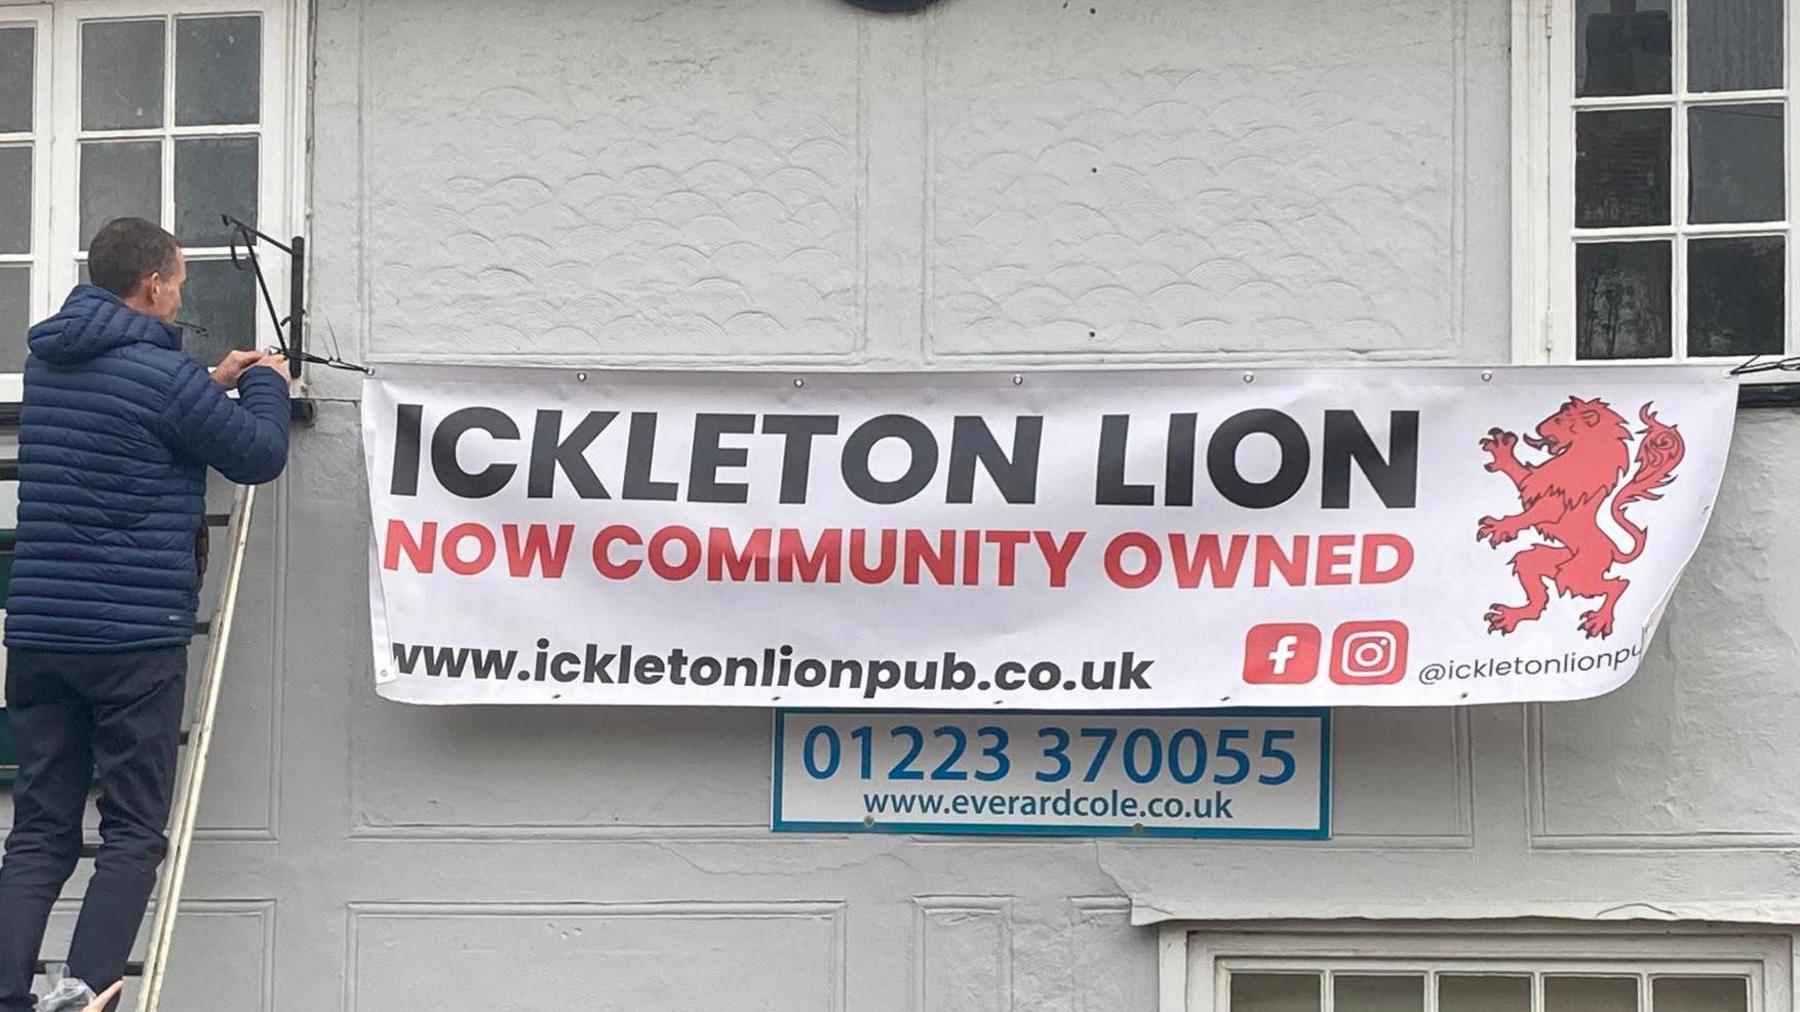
(1283, 653)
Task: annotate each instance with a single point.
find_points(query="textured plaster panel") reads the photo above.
(1194, 178)
(964, 952)
(445, 770)
(638, 178)
(221, 958)
(1700, 746)
(673, 956)
(242, 801)
(1379, 756)
(1111, 965)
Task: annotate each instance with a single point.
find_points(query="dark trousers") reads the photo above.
(73, 715)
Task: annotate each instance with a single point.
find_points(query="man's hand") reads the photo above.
(230, 370)
(105, 998)
(278, 364)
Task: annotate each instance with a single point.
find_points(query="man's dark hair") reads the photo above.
(127, 251)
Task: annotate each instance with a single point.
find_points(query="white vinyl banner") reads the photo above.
(1052, 540)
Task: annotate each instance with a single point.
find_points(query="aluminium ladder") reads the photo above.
(191, 770)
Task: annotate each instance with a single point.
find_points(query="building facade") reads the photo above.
(1022, 184)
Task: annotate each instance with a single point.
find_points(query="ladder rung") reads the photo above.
(131, 969)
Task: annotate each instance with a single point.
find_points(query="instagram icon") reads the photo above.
(1368, 653)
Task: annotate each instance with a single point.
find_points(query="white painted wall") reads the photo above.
(732, 183)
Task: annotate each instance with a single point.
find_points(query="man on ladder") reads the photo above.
(117, 431)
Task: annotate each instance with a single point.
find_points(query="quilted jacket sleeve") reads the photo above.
(246, 439)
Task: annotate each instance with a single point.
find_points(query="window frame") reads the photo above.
(1196, 959)
(37, 15)
(281, 133)
(1543, 132)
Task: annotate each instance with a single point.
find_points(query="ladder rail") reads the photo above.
(193, 766)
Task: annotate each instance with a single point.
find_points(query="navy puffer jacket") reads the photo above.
(118, 429)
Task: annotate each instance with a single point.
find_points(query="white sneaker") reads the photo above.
(69, 995)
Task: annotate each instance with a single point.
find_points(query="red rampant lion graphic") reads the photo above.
(1589, 451)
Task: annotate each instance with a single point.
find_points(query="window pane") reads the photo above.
(1700, 994)
(119, 179)
(18, 60)
(1484, 994)
(1735, 163)
(218, 70)
(1274, 992)
(213, 176)
(15, 199)
(121, 75)
(1622, 300)
(1735, 296)
(1622, 168)
(1734, 45)
(1590, 994)
(15, 316)
(1356, 993)
(1622, 47)
(222, 299)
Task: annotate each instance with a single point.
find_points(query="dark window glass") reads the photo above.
(1735, 163)
(15, 199)
(1275, 992)
(218, 70)
(222, 299)
(18, 76)
(1481, 993)
(1622, 47)
(1378, 993)
(1734, 45)
(119, 179)
(1735, 296)
(1622, 299)
(1700, 994)
(1590, 994)
(213, 176)
(121, 75)
(1622, 167)
(15, 315)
